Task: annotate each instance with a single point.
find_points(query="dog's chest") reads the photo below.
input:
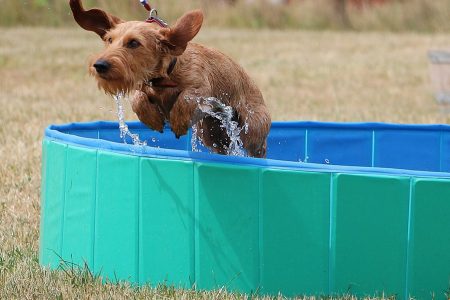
(166, 99)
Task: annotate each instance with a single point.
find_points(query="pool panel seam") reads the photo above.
(138, 219)
(260, 230)
(94, 212)
(195, 227)
(409, 237)
(331, 240)
(63, 213)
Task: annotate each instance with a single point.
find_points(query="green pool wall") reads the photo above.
(248, 228)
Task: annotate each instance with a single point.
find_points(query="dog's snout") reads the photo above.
(102, 66)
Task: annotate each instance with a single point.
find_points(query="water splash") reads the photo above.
(213, 107)
(195, 139)
(208, 106)
(124, 130)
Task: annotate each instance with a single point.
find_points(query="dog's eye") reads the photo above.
(133, 44)
(110, 40)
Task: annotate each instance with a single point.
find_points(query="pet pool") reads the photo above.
(368, 213)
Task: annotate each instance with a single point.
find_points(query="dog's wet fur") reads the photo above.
(167, 72)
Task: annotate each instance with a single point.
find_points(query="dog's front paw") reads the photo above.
(180, 119)
(179, 125)
(147, 112)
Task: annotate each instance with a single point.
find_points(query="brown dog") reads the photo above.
(170, 73)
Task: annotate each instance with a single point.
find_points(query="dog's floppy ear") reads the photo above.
(185, 29)
(95, 20)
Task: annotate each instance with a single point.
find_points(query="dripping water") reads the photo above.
(213, 107)
(124, 130)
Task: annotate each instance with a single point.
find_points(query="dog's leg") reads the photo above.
(147, 111)
(213, 135)
(256, 119)
(185, 112)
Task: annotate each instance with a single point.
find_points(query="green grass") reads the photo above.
(396, 15)
(326, 76)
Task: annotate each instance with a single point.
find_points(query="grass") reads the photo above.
(396, 15)
(327, 76)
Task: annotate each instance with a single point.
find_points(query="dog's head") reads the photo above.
(135, 51)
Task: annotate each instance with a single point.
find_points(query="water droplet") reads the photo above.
(194, 139)
(124, 131)
(246, 128)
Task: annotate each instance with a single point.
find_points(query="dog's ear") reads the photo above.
(185, 29)
(95, 20)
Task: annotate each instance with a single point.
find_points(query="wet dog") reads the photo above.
(170, 77)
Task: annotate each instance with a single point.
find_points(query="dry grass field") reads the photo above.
(394, 15)
(326, 76)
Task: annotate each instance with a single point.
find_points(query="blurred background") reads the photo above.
(389, 15)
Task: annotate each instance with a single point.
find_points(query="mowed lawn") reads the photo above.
(326, 76)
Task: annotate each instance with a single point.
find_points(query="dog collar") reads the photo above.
(164, 82)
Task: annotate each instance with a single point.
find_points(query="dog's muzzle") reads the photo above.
(102, 66)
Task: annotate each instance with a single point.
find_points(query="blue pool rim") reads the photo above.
(61, 133)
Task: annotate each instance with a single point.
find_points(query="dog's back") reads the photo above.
(217, 75)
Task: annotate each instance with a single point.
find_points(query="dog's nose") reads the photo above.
(102, 66)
